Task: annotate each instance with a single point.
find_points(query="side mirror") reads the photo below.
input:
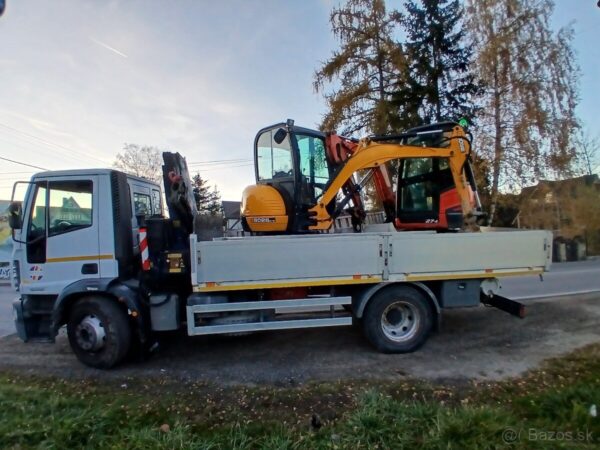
(15, 220)
(279, 135)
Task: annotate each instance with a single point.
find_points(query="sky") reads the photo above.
(80, 78)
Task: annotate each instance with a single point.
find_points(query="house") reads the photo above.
(233, 222)
(570, 208)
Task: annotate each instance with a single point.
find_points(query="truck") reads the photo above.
(95, 251)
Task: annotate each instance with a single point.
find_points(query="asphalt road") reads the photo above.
(570, 278)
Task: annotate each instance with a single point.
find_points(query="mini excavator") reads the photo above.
(305, 179)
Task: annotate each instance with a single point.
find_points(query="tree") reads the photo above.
(588, 149)
(141, 161)
(441, 83)
(527, 116)
(368, 68)
(207, 201)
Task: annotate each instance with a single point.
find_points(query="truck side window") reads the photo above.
(36, 230)
(156, 206)
(70, 206)
(142, 204)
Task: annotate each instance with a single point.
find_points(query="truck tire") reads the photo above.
(398, 319)
(99, 332)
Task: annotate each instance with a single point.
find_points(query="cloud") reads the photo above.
(108, 47)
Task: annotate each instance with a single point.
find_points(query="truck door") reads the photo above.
(61, 229)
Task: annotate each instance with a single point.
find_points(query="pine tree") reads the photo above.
(368, 68)
(441, 84)
(208, 201)
(527, 118)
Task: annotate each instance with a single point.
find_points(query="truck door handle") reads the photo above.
(89, 269)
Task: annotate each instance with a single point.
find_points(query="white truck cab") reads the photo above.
(74, 237)
(68, 233)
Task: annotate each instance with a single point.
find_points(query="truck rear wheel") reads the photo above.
(99, 332)
(398, 319)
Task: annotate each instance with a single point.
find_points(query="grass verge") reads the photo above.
(547, 408)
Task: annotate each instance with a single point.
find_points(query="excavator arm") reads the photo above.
(340, 150)
(373, 155)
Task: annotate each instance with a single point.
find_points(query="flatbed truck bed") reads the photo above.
(449, 269)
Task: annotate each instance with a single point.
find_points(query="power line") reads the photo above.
(49, 143)
(219, 161)
(226, 167)
(22, 163)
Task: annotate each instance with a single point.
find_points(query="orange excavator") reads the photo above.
(305, 179)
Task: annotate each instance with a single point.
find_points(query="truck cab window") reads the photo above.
(37, 223)
(36, 230)
(70, 206)
(274, 159)
(142, 204)
(156, 206)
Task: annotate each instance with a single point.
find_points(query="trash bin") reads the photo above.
(580, 248)
(560, 250)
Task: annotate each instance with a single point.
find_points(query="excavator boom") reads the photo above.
(373, 155)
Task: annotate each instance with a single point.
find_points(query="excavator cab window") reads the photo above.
(314, 168)
(274, 156)
(421, 183)
(274, 160)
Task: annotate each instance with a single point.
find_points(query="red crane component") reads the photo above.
(339, 150)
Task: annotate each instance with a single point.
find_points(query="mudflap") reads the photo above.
(31, 327)
(512, 307)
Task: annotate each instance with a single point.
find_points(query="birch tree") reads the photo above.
(527, 117)
(141, 161)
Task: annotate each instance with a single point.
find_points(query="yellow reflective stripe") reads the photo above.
(239, 287)
(78, 258)
(459, 276)
(213, 287)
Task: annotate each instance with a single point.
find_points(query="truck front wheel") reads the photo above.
(99, 332)
(398, 319)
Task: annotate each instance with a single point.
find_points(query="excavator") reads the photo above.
(306, 178)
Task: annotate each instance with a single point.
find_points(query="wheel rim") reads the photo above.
(400, 321)
(90, 334)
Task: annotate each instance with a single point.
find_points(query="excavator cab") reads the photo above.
(426, 196)
(292, 172)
